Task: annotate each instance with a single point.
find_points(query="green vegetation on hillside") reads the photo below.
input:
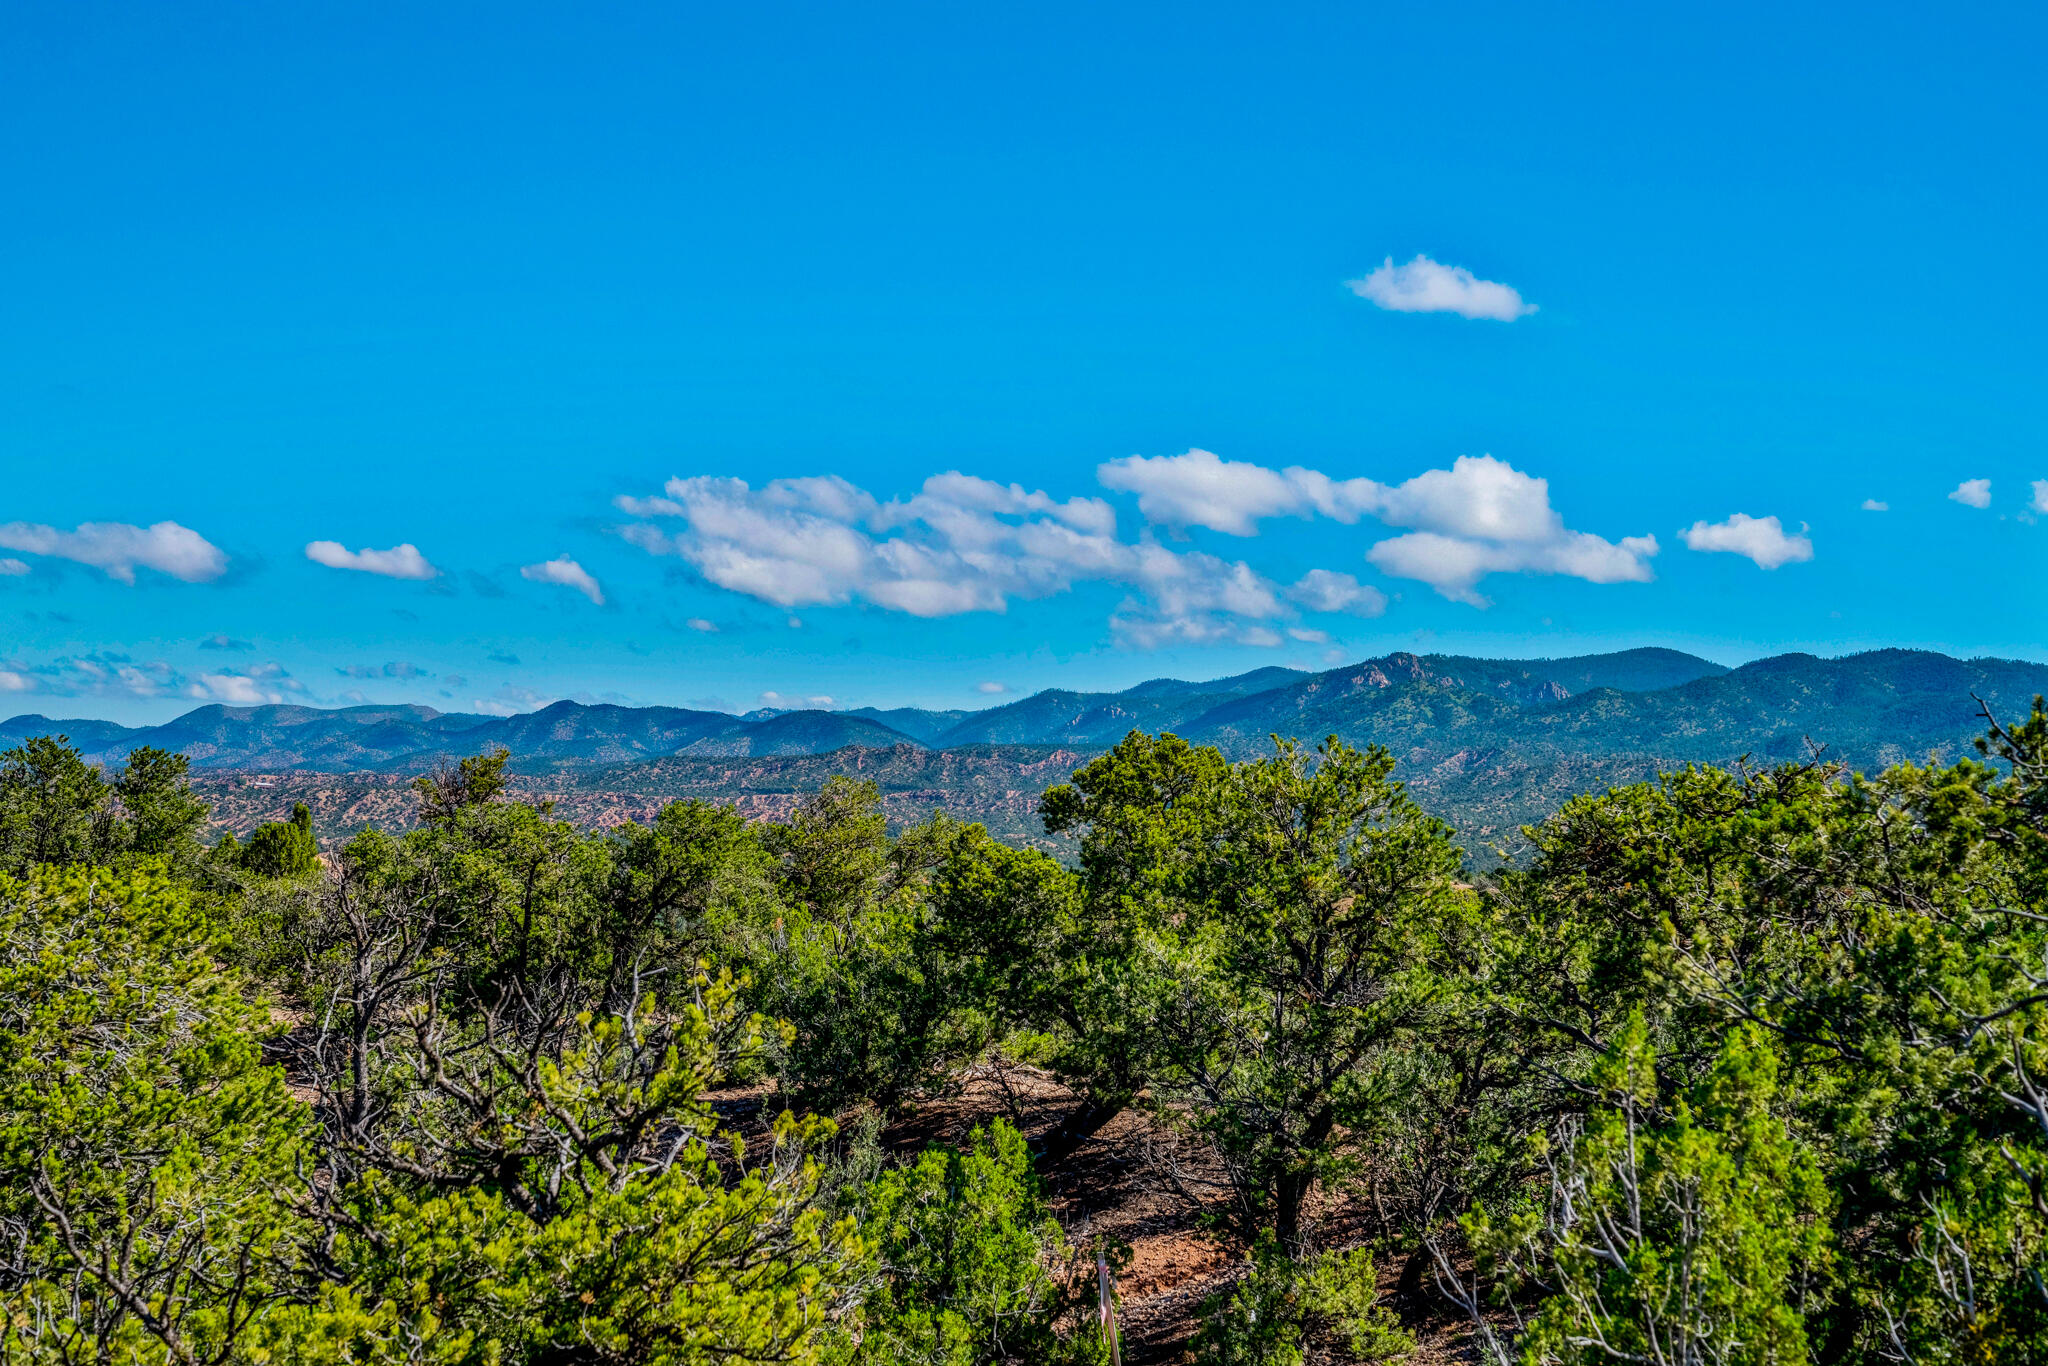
(1742, 1067)
(1487, 745)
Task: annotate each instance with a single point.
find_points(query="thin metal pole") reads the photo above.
(1107, 1301)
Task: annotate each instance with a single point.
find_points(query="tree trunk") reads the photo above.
(1289, 1196)
(1077, 1128)
(1409, 1290)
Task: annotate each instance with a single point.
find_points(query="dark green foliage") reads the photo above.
(164, 818)
(473, 781)
(1883, 937)
(53, 806)
(57, 809)
(850, 958)
(283, 849)
(1275, 917)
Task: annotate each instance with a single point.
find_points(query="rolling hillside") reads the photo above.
(1488, 744)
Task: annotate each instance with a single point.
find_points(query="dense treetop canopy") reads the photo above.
(1737, 1067)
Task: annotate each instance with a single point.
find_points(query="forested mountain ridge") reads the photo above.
(1489, 745)
(1869, 708)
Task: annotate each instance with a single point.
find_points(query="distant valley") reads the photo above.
(1488, 744)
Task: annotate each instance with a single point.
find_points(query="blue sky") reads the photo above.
(525, 288)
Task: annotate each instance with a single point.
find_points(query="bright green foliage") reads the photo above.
(1697, 1235)
(1883, 938)
(284, 849)
(686, 1267)
(485, 1028)
(1283, 1312)
(501, 1185)
(975, 1271)
(149, 1160)
(518, 1065)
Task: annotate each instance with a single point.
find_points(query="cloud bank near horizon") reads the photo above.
(964, 544)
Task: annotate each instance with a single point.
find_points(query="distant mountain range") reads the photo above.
(1488, 743)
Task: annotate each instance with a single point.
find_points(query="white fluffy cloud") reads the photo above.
(1481, 516)
(237, 690)
(1974, 493)
(1762, 539)
(399, 562)
(118, 549)
(2040, 503)
(960, 544)
(963, 544)
(566, 572)
(1324, 590)
(1202, 489)
(259, 685)
(106, 674)
(1424, 286)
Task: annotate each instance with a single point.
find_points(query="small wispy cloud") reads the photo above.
(12, 568)
(704, 624)
(782, 702)
(1873, 505)
(2040, 503)
(1426, 286)
(396, 668)
(1975, 493)
(991, 688)
(234, 689)
(1761, 539)
(399, 562)
(14, 682)
(1325, 590)
(260, 685)
(568, 574)
(118, 549)
(102, 673)
(511, 700)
